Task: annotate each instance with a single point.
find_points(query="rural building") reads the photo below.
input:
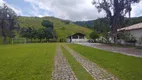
(77, 38)
(135, 30)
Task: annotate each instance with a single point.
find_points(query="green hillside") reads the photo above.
(62, 29)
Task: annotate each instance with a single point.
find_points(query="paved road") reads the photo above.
(127, 51)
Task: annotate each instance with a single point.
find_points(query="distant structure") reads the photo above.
(135, 30)
(77, 38)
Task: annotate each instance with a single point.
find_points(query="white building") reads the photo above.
(135, 30)
(77, 38)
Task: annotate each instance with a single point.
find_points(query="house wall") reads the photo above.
(137, 34)
(79, 40)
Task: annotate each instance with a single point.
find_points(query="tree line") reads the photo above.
(47, 32)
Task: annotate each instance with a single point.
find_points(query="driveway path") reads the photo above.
(95, 71)
(127, 51)
(62, 69)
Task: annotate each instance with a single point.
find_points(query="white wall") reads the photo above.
(137, 34)
(79, 40)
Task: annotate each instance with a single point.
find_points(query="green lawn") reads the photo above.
(27, 62)
(79, 71)
(124, 67)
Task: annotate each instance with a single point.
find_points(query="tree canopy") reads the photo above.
(8, 22)
(47, 24)
(49, 29)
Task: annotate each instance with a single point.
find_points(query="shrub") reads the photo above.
(94, 35)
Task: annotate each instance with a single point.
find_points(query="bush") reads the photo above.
(94, 35)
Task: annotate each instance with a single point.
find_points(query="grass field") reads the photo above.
(124, 67)
(79, 71)
(26, 62)
(35, 62)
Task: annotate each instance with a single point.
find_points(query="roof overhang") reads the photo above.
(132, 27)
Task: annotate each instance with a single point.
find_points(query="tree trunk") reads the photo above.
(25, 41)
(31, 40)
(41, 40)
(47, 40)
(115, 26)
(114, 32)
(3, 33)
(4, 39)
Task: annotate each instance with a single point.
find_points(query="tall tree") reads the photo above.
(49, 31)
(28, 33)
(40, 34)
(7, 21)
(115, 11)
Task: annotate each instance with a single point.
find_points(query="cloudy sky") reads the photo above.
(75, 10)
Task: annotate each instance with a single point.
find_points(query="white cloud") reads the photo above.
(137, 10)
(1, 2)
(68, 9)
(15, 8)
(36, 11)
(76, 9)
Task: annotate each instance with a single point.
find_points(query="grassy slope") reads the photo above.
(125, 67)
(62, 30)
(79, 71)
(26, 62)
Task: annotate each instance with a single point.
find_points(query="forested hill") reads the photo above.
(63, 28)
(131, 21)
(102, 23)
(89, 24)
